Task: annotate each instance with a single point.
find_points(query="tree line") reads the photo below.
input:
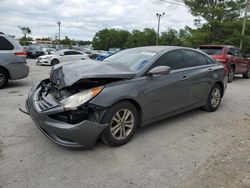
(216, 21)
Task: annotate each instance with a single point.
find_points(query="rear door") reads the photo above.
(67, 57)
(243, 62)
(199, 81)
(77, 56)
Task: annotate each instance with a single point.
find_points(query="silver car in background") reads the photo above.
(13, 64)
(62, 56)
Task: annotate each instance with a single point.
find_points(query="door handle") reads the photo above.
(184, 78)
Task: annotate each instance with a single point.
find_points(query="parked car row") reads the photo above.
(33, 51)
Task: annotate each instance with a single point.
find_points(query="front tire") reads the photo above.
(247, 75)
(4, 78)
(231, 74)
(54, 62)
(123, 121)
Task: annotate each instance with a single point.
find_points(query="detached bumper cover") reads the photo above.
(83, 134)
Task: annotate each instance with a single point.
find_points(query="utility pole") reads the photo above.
(244, 23)
(159, 16)
(59, 27)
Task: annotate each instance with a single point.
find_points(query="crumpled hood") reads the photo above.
(70, 73)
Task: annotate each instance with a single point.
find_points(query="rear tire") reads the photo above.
(123, 121)
(4, 78)
(54, 62)
(247, 75)
(214, 98)
(231, 74)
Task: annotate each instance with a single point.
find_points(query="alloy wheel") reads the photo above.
(2, 79)
(248, 73)
(215, 98)
(122, 124)
(231, 75)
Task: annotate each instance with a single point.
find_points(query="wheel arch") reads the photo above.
(233, 65)
(1, 67)
(134, 102)
(54, 59)
(221, 86)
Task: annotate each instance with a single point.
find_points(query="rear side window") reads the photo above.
(173, 59)
(75, 53)
(193, 59)
(5, 44)
(212, 50)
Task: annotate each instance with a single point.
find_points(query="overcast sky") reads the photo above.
(81, 19)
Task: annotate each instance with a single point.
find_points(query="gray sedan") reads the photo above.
(89, 100)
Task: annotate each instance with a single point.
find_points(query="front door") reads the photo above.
(167, 93)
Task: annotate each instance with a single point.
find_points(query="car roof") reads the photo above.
(214, 45)
(159, 49)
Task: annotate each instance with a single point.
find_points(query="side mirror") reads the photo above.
(61, 54)
(159, 70)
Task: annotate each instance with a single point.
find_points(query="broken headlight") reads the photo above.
(80, 98)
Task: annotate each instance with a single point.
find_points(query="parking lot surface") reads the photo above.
(193, 149)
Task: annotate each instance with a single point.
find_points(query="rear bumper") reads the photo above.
(18, 70)
(83, 134)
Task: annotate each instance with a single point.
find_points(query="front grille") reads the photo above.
(41, 102)
(43, 105)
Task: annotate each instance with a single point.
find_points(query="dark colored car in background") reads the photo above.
(232, 57)
(34, 51)
(87, 100)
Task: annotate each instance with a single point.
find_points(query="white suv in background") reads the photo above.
(62, 56)
(13, 65)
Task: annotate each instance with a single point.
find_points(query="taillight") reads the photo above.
(21, 54)
(221, 60)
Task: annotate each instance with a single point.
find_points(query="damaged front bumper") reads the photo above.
(43, 107)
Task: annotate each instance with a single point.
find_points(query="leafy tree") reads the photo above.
(67, 42)
(147, 37)
(24, 40)
(170, 37)
(215, 13)
(110, 38)
(83, 43)
(25, 31)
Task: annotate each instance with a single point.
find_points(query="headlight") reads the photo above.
(78, 99)
(47, 57)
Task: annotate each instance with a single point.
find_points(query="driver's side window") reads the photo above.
(172, 59)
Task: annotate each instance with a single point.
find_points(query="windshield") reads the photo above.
(212, 50)
(133, 59)
(58, 52)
